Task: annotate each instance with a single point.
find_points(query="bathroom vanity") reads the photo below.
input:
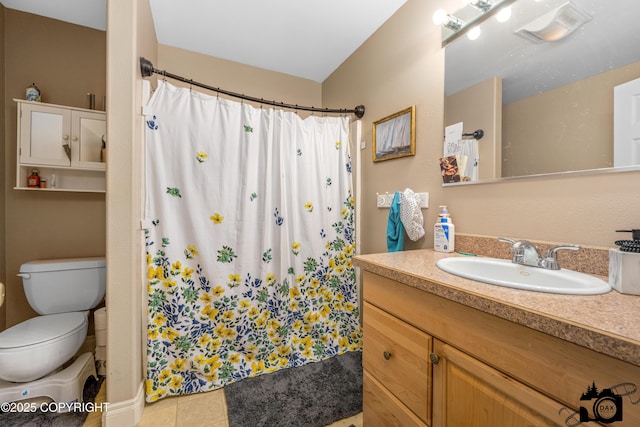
(440, 350)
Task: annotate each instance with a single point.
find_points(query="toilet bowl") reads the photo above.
(38, 346)
(62, 291)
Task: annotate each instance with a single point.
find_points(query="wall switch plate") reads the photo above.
(363, 145)
(424, 199)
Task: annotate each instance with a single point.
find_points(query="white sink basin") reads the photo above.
(503, 272)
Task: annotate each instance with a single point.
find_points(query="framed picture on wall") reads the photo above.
(395, 135)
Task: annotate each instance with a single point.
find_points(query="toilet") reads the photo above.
(62, 291)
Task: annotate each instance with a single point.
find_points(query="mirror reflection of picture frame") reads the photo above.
(395, 135)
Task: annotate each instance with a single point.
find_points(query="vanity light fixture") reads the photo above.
(556, 24)
(483, 5)
(441, 17)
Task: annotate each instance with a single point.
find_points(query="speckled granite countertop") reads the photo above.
(607, 323)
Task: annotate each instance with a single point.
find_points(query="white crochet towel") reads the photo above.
(411, 214)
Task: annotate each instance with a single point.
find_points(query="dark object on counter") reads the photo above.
(635, 233)
(629, 245)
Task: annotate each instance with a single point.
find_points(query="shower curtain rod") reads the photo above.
(147, 69)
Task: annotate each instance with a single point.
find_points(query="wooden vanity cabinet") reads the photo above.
(478, 369)
(396, 364)
(468, 392)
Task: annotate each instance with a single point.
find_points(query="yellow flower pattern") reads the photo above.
(218, 313)
(216, 218)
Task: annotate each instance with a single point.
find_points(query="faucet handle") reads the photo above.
(551, 258)
(518, 248)
(506, 240)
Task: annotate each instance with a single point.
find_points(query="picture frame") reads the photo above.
(395, 135)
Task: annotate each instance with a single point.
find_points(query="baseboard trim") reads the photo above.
(126, 413)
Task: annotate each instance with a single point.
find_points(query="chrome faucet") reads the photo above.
(526, 253)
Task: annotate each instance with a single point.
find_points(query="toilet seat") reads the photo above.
(41, 329)
(38, 346)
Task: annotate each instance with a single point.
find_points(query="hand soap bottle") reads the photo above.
(444, 232)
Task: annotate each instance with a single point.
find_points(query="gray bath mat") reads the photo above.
(313, 395)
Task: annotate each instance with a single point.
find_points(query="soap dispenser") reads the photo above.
(444, 232)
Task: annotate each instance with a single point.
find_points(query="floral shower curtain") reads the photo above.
(249, 243)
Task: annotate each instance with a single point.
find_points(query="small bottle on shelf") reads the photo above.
(34, 179)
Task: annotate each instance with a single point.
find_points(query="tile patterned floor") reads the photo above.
(196, 410)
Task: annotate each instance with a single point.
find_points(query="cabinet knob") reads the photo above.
(75, 138)
(66, 137)
(435, 359)
(386, 355)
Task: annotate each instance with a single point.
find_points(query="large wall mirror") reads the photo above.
(552, 70)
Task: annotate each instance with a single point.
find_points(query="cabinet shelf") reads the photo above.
(59, 190)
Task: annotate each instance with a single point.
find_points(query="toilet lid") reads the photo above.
(42, 328)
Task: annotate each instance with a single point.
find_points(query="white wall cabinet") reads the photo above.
(60, 141)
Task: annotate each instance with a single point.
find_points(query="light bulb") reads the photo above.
(440, 16)
(504, 14)
(474, 33)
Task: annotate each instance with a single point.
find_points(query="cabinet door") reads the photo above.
(467, 392)
(44, 130)
(87, 131)
(397, 355)
(381, 408)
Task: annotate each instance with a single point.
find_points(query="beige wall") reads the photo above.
(239, 78)
(543, 133)
(66, 61)
(480, 107)
(403, 64)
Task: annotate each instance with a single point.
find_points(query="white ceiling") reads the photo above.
(303, 38)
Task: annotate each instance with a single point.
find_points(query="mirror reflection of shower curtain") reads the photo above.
(249, 244)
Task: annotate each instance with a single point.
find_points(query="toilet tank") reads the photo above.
(64, 285)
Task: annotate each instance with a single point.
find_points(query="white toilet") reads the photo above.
(62, 291)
